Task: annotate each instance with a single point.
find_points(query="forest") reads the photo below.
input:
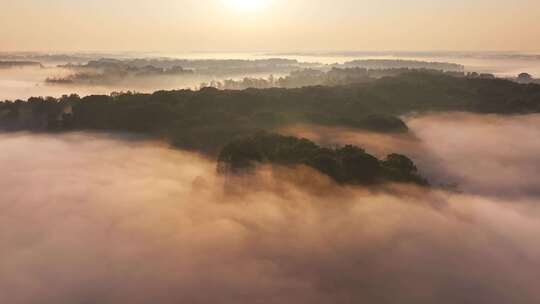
(345, 165)
(209, 119)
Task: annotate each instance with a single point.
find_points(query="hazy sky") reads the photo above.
(234, 25)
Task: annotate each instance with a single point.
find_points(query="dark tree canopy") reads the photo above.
(346, 165)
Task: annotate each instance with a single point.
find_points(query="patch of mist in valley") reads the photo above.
(477, 153)
(23, 83)
(95, 218)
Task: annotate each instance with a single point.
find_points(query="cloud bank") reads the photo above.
(494, 155)
(90, 218)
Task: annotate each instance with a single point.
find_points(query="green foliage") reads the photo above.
(346, 165)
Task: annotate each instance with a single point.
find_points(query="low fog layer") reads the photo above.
(23, 83)
(89, 218)
(497, 155)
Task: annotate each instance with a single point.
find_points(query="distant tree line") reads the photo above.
(116, 73)
(314, 77)
(374, 64)
(212, 67)
(19, 64)
(110, 70)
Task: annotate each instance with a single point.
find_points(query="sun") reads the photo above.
(246, 5)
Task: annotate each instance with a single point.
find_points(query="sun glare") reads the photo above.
(246, 5)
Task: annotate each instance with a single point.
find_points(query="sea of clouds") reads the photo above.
(111, 219)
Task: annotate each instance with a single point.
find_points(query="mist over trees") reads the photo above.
(94, 218)
(374, 64)
(19, 64)
(191, 162)
(209, 119)
(111, 70)
(346, 165)
(116, 74)
(314, 77)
